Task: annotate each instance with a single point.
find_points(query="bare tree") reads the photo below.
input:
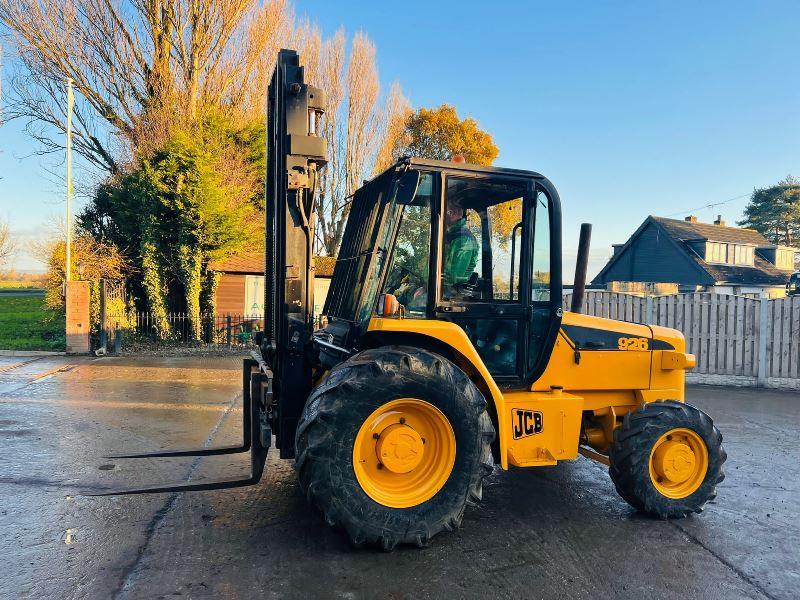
(394, 134)
(138, 66)
(141, 66)
(360, 129)
(7, 244)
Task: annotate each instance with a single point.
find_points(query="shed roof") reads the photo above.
(249, 263)
(252, 263)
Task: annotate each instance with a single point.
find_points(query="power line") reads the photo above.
(712, 205)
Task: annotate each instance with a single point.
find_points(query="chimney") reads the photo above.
(719, 222)
(690, 219)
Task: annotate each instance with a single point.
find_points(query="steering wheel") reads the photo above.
(403, 283)
(469, 289)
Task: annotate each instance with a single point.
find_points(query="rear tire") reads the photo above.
(639, 475)
(337, 411)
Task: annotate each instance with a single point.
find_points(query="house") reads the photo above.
(240, 290)
(671, 255)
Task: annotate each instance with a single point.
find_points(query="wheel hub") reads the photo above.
(404, 452)
(400, 448)
(674, 461)
(678, 463)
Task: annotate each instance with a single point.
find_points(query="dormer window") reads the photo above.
(784, 258)
(716, 252)
(730, 254)
(742, 255)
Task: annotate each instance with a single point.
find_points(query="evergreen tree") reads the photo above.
(775, 212)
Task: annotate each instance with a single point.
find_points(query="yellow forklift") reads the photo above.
(447, 349)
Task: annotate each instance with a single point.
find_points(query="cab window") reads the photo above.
(540, 281)
(407, 276)
(481, 244)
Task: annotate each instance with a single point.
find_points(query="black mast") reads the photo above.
(295, 152)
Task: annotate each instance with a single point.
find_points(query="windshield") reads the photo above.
(407, 277)
(378, 209)
(362, 248)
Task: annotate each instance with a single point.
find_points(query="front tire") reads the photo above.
(666, 459)
(392, 446)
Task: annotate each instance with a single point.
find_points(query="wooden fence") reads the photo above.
(730, 335)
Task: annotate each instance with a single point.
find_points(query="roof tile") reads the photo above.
(684, 230)
(253, 264)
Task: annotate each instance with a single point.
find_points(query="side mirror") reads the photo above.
(406, 187)
(389, 306)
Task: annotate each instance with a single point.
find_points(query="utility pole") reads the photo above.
(70, 104)
(76, 292)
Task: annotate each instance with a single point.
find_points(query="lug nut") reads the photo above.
(375, 436)
(380, 465)
(669, 438)
(402, 420)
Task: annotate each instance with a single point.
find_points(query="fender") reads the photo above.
(456, 340)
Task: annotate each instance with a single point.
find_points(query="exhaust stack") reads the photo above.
(581, 266)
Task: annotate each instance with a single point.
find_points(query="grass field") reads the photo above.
(18, 285)
(26, 324)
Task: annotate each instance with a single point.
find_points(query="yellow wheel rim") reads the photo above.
(404, 453)
(678, 463)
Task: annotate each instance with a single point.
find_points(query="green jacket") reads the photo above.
(460, 254)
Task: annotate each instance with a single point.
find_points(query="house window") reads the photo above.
(731, 254)
(742, 255)
(784, 258)
(716, 252)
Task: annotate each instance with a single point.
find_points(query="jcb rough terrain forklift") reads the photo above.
(447, 350)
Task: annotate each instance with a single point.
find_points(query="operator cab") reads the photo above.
(477, 246)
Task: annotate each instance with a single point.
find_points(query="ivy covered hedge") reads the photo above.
(196, 199)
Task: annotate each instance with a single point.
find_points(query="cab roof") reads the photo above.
(468, 167)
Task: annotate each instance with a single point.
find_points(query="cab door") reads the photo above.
(545, 291)
(480, 271)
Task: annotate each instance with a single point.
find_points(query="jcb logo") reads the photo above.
(525, 422)
(633, 343)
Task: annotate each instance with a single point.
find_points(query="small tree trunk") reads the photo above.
(154, 286)
(190, 263)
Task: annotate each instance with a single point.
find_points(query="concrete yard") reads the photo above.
(558, 532)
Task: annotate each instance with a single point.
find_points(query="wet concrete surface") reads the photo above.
(558, 532)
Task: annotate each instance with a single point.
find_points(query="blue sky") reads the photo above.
(629, 108)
